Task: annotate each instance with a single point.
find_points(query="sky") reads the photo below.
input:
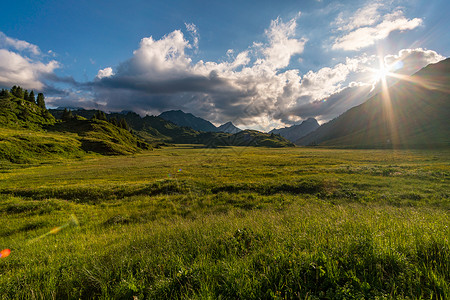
(260, 64)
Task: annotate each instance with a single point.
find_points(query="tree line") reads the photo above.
(20, 93)
(67, 115)
(99, 115)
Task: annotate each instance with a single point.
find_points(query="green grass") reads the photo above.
(230, 223)
(27, 146)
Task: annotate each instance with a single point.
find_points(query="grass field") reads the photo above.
(230, 223)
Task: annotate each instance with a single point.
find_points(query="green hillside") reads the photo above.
(101, 136)
(17, 112)
(247, 137)
(152, 129)
(414, 113)
(29, 133)
(28, 146)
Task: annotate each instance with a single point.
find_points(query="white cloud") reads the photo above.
(363, 37)
(106, 72)
(282, 45)
(159, 59)
(19, 45)
(409, 61)
(367, 15)
(161, 76)
(193, 30)
(18, 70)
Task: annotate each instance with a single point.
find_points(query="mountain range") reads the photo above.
(183, 119)
(157, 131)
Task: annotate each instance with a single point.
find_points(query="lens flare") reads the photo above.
(73, 221)
(4, 253)
(55, 230)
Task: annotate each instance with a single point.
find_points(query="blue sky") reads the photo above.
(260, 64)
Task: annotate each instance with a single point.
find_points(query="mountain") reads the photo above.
(296, 132)
(158, 132)
(228, 128)
(188, 120)
(413, 113)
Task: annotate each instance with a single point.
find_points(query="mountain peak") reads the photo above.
(295, 132)
(181, 118)
(229, 128)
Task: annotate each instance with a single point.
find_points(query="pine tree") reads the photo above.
(4, 93)
(123, 124)
(67, 115)
(40, 101)
(31, 97)
(100, 115)
(13, 90)
(17, 91)
(113, 121)
(26, 95)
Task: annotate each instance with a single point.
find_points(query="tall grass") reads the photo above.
(257, 224)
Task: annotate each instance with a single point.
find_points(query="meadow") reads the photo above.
(228, 223)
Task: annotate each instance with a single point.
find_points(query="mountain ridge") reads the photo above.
(298, 131)
(412, 113)
(228, 127)
(183, 119)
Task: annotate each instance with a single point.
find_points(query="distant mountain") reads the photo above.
(158, 131)
(188, 120)
(296, 132)
(228, 128)
(69, 108)
(413, 113)
(152, 129)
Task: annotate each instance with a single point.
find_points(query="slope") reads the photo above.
(296, 132)
(413, 113)
(101, 136)
(188, 120)
(29, 133)
(228, 128)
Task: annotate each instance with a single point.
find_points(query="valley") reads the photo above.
(234, 222)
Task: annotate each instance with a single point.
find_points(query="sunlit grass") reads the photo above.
(237, 223)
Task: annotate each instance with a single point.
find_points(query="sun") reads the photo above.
(380, 74)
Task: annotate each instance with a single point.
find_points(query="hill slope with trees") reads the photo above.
(31, 133)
